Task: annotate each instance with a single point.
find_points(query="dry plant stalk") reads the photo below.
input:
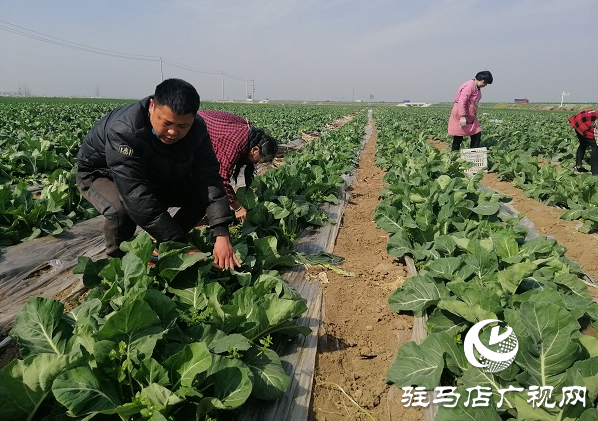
(338, 387)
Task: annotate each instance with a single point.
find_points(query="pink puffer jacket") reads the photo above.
(466, 104)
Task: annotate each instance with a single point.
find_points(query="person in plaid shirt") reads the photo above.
(585, 124)
(237, 144)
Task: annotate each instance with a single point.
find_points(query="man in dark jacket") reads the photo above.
(142, 158)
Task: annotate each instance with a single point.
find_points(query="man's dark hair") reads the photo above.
(178, 95)
(484, 76)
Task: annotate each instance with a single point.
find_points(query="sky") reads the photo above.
(302, 50)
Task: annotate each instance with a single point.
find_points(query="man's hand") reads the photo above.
(224, 254)
(462, 121)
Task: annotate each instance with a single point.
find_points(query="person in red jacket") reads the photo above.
(585, 124)
(238, 144)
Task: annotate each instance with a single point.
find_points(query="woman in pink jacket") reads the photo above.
(464, 120)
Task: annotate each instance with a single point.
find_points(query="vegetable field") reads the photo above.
(419, 243)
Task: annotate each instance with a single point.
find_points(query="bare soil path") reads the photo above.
(361, 335)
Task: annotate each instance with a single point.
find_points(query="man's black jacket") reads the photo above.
(122, 147)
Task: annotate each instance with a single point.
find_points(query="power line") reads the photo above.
(73, 45)
(192, 69)
(94, 50)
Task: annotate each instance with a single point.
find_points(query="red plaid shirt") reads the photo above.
(583, 123)
(230, 139)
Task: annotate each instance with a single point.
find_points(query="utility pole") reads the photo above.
(161, 71)
(222, 71)
(563, 96)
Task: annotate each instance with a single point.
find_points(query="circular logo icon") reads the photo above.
(496, 351)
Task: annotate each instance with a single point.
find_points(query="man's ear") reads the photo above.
(255, 149)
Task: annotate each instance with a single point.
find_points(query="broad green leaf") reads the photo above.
(527, 411)
(159, 397)
(40, 327)
(25, 384)
(590, 344)
(419, 365)
(573, 284)
(135, 324)
(417, 294)
(134, 272)
(538, 247)
(481, 258)
(192, 297)
(454, 355)
(172, 262)
(388, 218)
(505, 246)
(398, 245)
(486, 209)
(280, 310)
(445, 268)
(547, 347)
(268, 376)
(193, 359)
(232, 387)
(133, 317)
(83, 393)
(473, 313)
(443, 321)
(276, 210)
(589, 415)
(163, 306)
(151, 371)
(511, 277)
(585, 373)
(445, 245)
(267, 248)
(90, 270)
(232, 341)
(247, 198)
(88, 309)
(538, 295)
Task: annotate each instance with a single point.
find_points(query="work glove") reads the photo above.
(462, 121)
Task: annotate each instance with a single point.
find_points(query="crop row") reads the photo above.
(39, 142)
(179, 340)
(535, 150)
(477, 263)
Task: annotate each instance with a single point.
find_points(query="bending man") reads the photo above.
(142, 158)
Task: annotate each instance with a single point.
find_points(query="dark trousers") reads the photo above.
(476, 139)
(584, 142)
(118, 226)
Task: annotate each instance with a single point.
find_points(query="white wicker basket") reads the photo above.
(478, 157)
